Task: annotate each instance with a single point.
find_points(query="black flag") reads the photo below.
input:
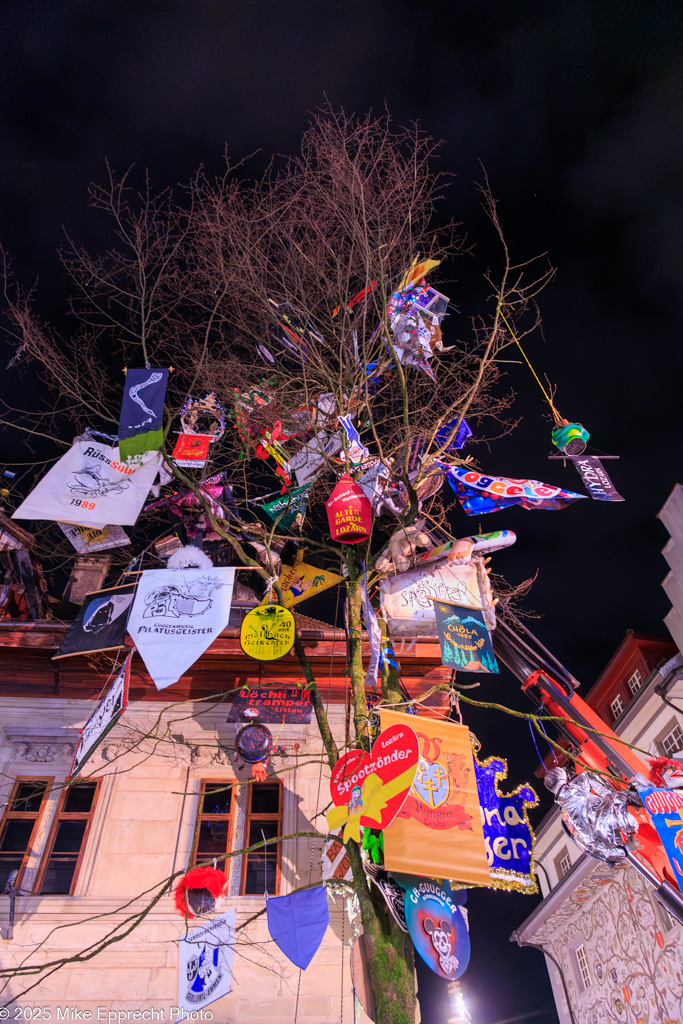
(595, 478)
(101, 622)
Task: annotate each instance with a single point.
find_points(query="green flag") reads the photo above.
(288, 506)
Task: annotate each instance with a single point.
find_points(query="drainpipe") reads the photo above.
(515, 937)
(670, 673)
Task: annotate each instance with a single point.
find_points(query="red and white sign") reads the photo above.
(376, 784)
(349, 512)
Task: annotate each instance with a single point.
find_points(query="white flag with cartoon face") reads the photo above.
(205, 963)
(176, 615)
(91, 486)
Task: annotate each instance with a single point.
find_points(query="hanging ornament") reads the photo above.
(370, 789)
(199, 891)
(254, 743)
(570, 438)
(349, 512)
(204, 416)
(267, 632)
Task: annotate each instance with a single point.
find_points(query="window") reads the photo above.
(24, 809)
(67, 840)
(666, 920)
(563, 865)
(261, 869)
(635, 682)
(584, 970)
(616, 707)
(214, 832)
(672, 741)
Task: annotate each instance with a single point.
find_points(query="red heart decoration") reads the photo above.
(395, 751)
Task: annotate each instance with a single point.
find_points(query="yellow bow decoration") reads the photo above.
(374, 797)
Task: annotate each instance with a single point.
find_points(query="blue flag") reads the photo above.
(298, 922)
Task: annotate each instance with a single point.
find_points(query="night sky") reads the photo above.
(573, 107)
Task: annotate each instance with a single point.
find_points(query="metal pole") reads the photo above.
(11, 891)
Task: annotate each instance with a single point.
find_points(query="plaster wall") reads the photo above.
(151, 765)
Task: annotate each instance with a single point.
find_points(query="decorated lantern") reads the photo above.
(570, 438)
(349, 512)
(199, 891)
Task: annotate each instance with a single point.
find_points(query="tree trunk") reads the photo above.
(390, 952)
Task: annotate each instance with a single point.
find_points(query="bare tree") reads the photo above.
(286, 285)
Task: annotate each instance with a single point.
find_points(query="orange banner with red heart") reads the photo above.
(438, 832)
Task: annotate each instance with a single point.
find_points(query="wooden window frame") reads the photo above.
(59, 816)
(640, 682)
(10, 815)
(584, 971)
(263, 817)
(201, 816)
(671, 728)
(619, 698)
(559, 864)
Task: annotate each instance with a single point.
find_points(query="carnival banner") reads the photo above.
(593, 474)
(465, 641)
(479, 493)
(301, 581)
(272, 704)
(438, 831)
(437, 923)
(666, 810)
(267, 632)
(87, 539)
(508, 836)
(310, 460)
(289, 507)
(90, 486)
(205, 964)
(142, 412)
(176, 615)
(370, 789)
(104, 717)
(101, 622)
(192, 450)
(407, 600)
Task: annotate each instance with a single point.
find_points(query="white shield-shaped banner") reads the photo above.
(176, 615)
(205, 963)
(407, 600)
(90, 486)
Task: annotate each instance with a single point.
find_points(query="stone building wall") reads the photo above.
(141, 833)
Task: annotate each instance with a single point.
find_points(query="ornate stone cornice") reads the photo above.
(40, 746)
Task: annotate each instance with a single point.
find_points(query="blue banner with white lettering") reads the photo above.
(666, 810)
(508, 836)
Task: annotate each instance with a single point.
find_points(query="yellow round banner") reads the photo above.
(267, 632)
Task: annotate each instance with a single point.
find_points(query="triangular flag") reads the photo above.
(176, 615)
(297, 923)
(288, 506)
(301, 581)
(417, 271)
(90, 486)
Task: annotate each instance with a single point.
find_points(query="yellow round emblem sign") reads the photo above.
(267, 632)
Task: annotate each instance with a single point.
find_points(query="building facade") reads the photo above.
(163, 790)
(613, 952)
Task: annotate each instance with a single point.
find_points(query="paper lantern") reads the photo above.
(349, 512)
(570, 438)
